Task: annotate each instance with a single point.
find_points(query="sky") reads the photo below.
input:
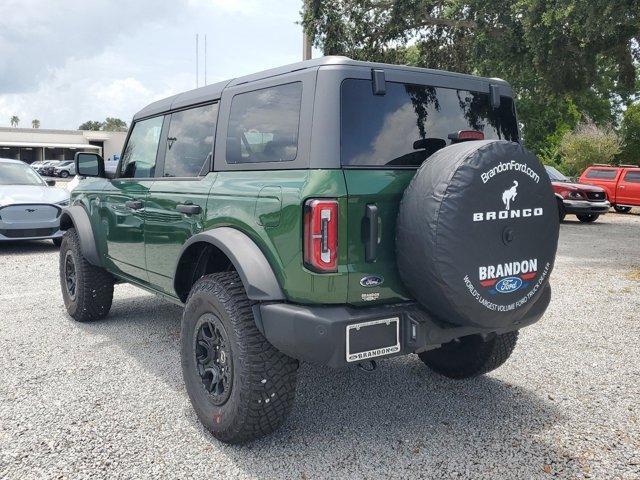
(67, 61)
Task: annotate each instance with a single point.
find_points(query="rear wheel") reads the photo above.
(470, 356)
(588, 217)
(240, 386)
(562, 212)
(620, 209)
(87, 290)
(64, 174)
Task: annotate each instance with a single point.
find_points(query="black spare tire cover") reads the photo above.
(477, 233)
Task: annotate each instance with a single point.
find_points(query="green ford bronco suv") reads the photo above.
(331, 211)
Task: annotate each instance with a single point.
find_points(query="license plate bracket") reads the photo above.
(375, 338)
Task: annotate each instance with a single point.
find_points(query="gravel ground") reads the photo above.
(107, 399)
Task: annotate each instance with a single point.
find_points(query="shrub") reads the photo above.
(588, 144)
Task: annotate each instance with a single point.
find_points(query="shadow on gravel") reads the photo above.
(27, 247)
(399, 413)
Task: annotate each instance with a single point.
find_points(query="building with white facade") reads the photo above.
(35, 144)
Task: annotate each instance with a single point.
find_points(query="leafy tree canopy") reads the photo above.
(110, 124)
(631, 135)
(564, 58)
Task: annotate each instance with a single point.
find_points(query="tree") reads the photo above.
(112, 124)
(35, 123)
(14, 121)
(564, 58)
(589, 144)
(631, 135)
(91, 125)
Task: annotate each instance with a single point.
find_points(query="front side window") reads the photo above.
(19, 174)
(139, 159)
(601, 173)
(556, 175)
(263, 125)
(633, 177)
(190, 141)
(411, 122)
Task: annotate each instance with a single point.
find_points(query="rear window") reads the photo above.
(601, 173)
(633, 177)
(411, 122)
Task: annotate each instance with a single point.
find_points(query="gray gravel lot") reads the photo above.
(107, 399)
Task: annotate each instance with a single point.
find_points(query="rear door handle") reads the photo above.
(134, 204)
(188, 208)
(371, 233)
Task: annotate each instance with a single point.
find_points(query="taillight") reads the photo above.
(321, 235)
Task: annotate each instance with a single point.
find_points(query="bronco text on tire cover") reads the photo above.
(477, 233)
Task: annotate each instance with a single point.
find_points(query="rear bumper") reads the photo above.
(580, 207)
(317, 334)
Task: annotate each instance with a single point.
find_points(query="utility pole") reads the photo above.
(306, 40)
(197, 59)
(205, 60)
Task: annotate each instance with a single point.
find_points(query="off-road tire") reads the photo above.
(588, 217)
(263, 381)
(620, 209)
(562, 212)
(94, 285)
(470, 356)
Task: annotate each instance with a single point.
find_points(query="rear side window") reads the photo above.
(190, 141)
(139, 158)
(263, 125)
(411, 122)
(601, 173)
(633, 177)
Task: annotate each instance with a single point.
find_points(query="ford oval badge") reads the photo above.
(508, 285)
(371, 281)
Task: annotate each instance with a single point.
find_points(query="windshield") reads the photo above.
(555, 175)
(19, 174)
(409, 122)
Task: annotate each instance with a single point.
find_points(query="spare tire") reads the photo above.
(477, 233)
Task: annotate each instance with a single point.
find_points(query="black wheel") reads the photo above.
(620, 209)
(588, 217)
(57, 241)
(64, 174)
(562, 212)
(87, 290)
(470, 356)
(240, 386)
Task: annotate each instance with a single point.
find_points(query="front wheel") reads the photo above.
(562, 212)
(588, 217)
(64, 174)
(470, 356)
(87, 290)
(620, 209)
(240, 386)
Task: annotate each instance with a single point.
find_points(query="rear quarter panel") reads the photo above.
(267, 206)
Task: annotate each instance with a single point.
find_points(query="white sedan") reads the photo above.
(29, 207)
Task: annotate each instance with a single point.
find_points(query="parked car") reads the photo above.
(331, 211)
(47, 168)
(29, 207)
(622, 184)
(64, 169)
(586, 202)
(37, 165)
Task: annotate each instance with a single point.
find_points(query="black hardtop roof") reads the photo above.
(214, 91)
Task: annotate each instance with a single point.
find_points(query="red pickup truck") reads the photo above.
(584, 201)
(622, 184)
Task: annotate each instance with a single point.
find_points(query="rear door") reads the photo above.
(384, 138)
(176, 203)
(124, 199)
(628, 191)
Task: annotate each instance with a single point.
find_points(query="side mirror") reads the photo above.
(89, 165)
(51, 183)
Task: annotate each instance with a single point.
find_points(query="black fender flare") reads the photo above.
(253, 267)
(77, 217)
